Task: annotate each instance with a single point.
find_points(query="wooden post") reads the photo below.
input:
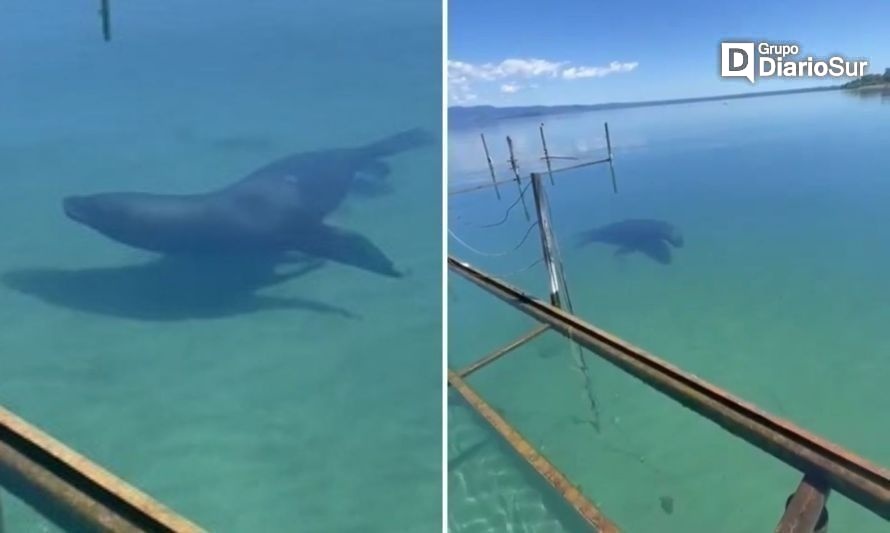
(494, 179)
(515, 167)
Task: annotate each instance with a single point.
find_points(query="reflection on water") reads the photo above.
(880, 93)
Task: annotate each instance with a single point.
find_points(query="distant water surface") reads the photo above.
(778, 294)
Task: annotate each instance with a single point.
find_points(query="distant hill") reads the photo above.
(869, 80)
(460, 117)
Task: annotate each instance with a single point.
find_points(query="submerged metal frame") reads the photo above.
(825, 465)
(73, 492)
(549, 473)
(806, 507)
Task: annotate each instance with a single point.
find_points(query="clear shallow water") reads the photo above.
(778, 295)
(199, 386)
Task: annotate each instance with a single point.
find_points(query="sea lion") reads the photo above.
(278, 208)
(649, 237)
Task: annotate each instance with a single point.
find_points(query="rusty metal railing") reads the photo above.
(73, 492)
(825, 465)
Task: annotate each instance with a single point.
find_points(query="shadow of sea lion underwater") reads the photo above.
(169, 288)
(277, 209)
(652, 238)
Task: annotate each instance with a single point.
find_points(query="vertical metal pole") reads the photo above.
(546, 155)
(608, 140)
(609, 149)
(2, 521)
(559, 295)
(105, 13)
(547, 246)
(515, 168)
(494, 179)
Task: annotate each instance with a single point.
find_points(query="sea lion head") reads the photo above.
(104, 213)
(130, 218)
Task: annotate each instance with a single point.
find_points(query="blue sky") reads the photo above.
(525, 52)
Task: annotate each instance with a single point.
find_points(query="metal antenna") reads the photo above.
(105, 13)
(559, 290)
(494, 180)
(609, 149)
(546, 154)
(515, 167)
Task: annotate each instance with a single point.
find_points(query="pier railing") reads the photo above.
(824, 466)
(72, 492)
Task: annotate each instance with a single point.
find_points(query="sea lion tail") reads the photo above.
(400, 142)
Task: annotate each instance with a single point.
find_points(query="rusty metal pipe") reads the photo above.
(500, 352)
(73, 492)
(805, 511)
(849, 474)
(57, 501)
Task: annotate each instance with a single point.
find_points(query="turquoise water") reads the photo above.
(779, 295)
(308, 404)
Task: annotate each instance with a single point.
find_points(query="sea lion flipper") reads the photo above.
(370, 180)
(657, 250)
(375, 169)
(343, 246)
(305, 268)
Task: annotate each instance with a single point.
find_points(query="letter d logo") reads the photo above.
(737, 60)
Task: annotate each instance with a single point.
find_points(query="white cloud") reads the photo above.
(525, 68)
(574, 73)
(459, 90)
(462, 75)
(508, 68)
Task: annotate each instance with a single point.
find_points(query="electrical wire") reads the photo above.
(494, 254)
(507, 212)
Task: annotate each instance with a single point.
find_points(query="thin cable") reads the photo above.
(494, 254)
(535, 263)
(529, 267)
(506, 213)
